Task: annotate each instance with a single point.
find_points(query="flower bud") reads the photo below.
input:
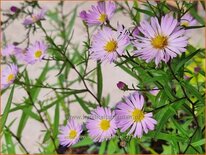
(122, 86)
(14, 9)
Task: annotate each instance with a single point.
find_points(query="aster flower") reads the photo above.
(155, 91)
(101, 124)
(10, 50)
(8, 75)
(35, 52)
(99, 14)
(130, 116)
(35, 17)
(187, 20)
(70, 134)
(160, 41)
(108, 44)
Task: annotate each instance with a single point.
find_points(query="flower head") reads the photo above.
(130, 115)
(70, 134)
(10, 50)
(101, 124)
(160, 41)
(35, 17)
(187, 20)
(35, 52)
(108, 44)
(99, 14)
(8, 75)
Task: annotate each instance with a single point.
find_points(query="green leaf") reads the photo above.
(34, 92)
(198, 143)
(184, 60)
(103, 147)
(99, 82)
(7, 108)
(9, 142)
(147, 12)
(84, 142)
(56, 121)
(132, 146)
(82, 103)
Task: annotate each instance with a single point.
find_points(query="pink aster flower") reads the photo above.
(70, 134)
(99, 14)
(160, 41)
(130, 116)
(10, 50)
(35, 52)
(101, 124)
(8, 75)
(187, 20)
(35, 17)
(108, 44)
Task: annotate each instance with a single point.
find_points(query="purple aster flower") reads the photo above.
(101, 124)
(70, 134)
(8, 75)
(160, 41)
(108, 44)
(10, 50)
(35, 52)
(99, 14)
(35, 17)
(187, 20)
(130, 116)
(155, 91)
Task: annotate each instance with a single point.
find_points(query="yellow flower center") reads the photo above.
(102, 18)
(185, 23)
(105, 124)
(110, 46)
(38, 54)
(72, 134)
(10, 77)
(137, 115)
(159, 42)
(34, 18)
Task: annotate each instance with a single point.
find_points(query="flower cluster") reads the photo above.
(102, 124)
(156, 40)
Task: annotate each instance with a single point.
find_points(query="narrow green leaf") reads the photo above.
(147, 12)
(103, 147)
(9, 143)
(84, 142)
(82, 103)
(56, 120)
(7, 108)
(99, 82)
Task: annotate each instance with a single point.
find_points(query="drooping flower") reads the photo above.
(99, 14)
(8, 75)
(35, 52)
(187, 20)
(35, 17)
(14, 9)
(130, 116)
(10, 50)
(101, 124)
(70, 134)
(107, 44)
(160, 41)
